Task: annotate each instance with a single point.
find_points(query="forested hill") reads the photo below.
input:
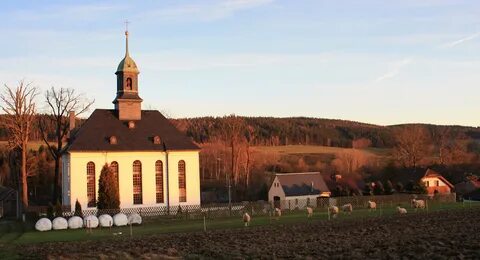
(295, 130)
(312, 131)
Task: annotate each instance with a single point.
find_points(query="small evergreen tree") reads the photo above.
(368, 190)
(388, 188)
(78, 209)
(420, 188)
(378, 188)
(399, 187)
(107, 190)
(58, 209)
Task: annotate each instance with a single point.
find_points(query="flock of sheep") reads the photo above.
(347, 208)
(91, 221)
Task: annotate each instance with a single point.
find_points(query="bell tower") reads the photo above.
(128, 104)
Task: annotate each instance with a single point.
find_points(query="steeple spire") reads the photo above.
(126, 38)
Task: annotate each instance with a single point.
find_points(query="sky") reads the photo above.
(373, 61)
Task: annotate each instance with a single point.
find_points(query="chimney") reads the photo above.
(72, 120)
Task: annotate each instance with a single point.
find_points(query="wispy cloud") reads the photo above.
(460, 41)
(203, 12)
(394, 70)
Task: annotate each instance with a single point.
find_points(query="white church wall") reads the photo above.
(78, 176)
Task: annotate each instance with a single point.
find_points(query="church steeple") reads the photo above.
(127, 102)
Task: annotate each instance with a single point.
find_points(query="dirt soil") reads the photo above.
(440, 235)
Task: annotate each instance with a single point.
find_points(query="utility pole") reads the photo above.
(229, 195)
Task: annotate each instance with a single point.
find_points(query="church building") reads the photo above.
(155, 164)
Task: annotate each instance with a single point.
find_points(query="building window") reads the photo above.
(129, 84)
(437, 183)
(182, 182)
(137, 182)
(427, 184)
(91, 185)
(114, 168)
(159, 181)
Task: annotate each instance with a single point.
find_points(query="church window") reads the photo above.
(91, 184)
(114, 167)
(182, 182)
(159, 181)
(131, 124)
(129, 83)
(157, 140)
(137, 182)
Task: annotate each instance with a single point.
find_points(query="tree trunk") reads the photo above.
(24, 176)
(56, 185)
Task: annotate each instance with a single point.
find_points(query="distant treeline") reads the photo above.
(292, 131)
(309, 131)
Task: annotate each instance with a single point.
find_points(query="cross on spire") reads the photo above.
(126, 25)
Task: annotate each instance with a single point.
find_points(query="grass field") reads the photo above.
(315, 149)
(18, 236)
(32, 145)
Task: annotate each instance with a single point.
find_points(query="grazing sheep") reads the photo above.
(246, 219)
(402, 211)
(278, 213)
(372, 205)
(333, 211)
(418, 204)
(347, 208)
(309, 212)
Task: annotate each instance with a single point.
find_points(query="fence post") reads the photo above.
(204, 224)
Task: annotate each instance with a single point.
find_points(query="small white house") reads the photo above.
(297, 190)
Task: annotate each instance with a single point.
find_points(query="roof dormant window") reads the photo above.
(113, 139)
(157, 140)
(131, 124)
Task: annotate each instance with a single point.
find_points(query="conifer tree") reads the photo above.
(107, 190)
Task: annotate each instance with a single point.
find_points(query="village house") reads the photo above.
(436, 183)
(155, 164)
(297, 190)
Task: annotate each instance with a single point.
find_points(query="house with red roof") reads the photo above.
(436, 183)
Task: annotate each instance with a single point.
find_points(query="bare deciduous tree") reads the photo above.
(60, 102)
(233, 130)
(19, 106)
(411, 145)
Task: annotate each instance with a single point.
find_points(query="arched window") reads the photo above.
(129, 84)
(91, 201)
(182, 181)
(114, 167)
(159, 181)
(137, 182)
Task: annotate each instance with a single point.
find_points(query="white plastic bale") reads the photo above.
(90, 221)
(134, 218)
(120, 219)
(59, 223)
(43, 224)
(75, 222)
(105, 220)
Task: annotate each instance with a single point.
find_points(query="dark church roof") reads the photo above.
(300, 184)
(95, 133)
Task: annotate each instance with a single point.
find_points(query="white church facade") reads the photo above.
(155, 164)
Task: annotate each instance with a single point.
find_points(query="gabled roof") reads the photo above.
(300, 184)
(431, 173)
(94, 134)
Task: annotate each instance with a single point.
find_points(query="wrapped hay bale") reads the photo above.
(75, 222)
(134, 218)
(105, 220)
(43, 224)
(90, 221)
(120, 219)
(59, 223)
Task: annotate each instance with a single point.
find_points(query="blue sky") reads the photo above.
(381, 62)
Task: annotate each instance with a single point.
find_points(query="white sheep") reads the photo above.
(418, 204)
(246, 219)
(333, 211)
(372, 205)
(278, 213)
(402, 211)
(309, 212)
(347, 208)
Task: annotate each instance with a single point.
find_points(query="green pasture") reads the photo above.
(17, 234)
